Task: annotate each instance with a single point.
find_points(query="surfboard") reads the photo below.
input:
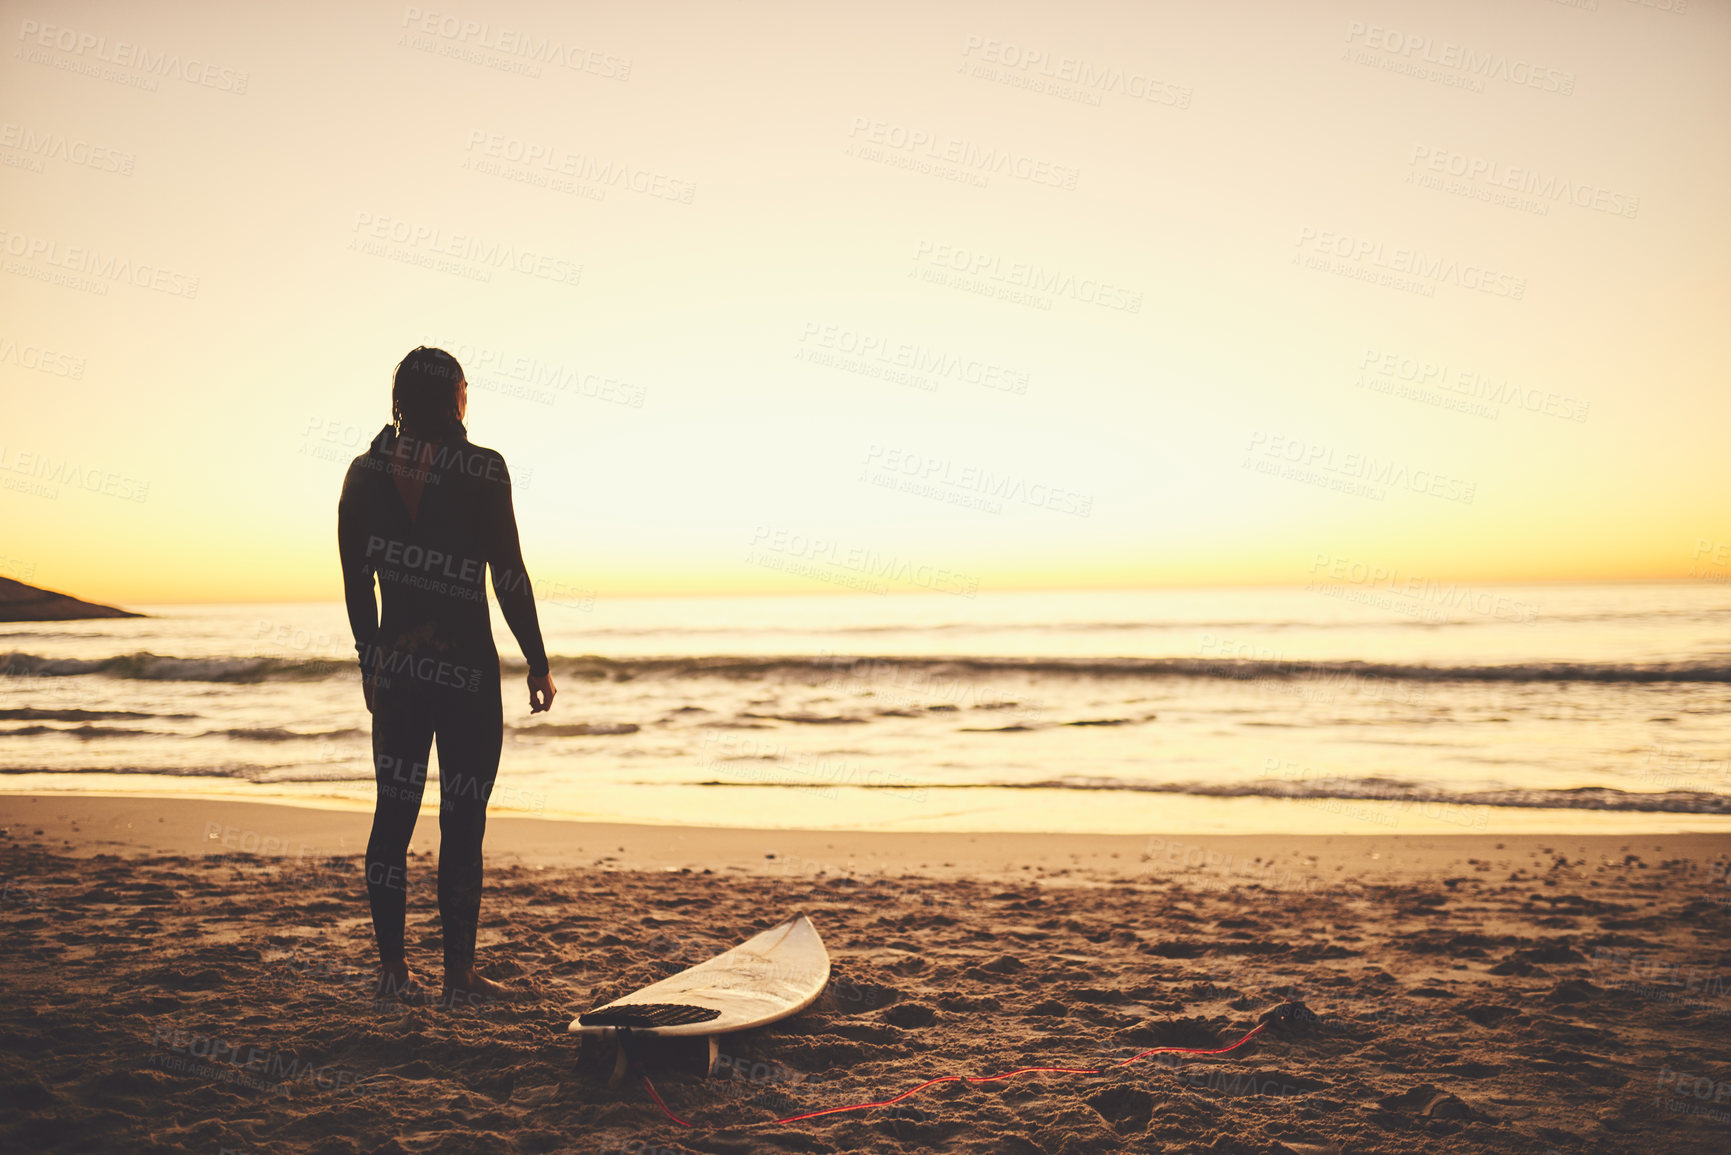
(766, 978)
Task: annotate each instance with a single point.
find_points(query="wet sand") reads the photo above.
(190, 975)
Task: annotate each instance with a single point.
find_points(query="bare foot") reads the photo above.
(472, 990)
(395, 982)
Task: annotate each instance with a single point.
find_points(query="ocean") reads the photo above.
(1379, 706)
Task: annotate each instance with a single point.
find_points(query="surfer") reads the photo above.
(428, 513)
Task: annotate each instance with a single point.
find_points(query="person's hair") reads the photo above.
(424, 392)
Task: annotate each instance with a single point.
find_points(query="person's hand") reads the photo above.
(367, 690)
(541, 691)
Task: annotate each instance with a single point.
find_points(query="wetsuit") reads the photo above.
(434, 665)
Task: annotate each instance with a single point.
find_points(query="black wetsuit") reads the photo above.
(435, 667)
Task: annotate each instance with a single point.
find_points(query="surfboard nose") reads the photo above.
(775, 973)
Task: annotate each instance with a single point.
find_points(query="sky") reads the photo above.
(763, 297)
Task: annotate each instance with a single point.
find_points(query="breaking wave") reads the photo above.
(1349, 789)
(147, 667)
(155, 667)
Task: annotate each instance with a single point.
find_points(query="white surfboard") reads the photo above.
(767, 977)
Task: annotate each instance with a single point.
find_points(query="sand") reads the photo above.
(190, 975)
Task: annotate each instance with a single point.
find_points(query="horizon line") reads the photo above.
(821, 593)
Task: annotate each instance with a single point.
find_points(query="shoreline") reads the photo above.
(147, 825)
(846, 812)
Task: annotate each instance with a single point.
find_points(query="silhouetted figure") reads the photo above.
(428, 514)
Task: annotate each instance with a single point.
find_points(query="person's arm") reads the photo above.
(510, 577)
(363, 610)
